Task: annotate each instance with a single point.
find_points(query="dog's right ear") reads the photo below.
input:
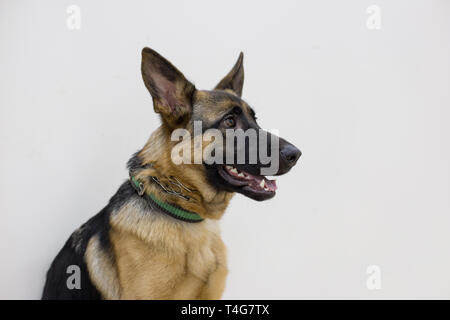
(171, 92)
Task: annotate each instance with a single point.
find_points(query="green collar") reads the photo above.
(170, 209)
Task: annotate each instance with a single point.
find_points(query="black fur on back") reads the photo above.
(74, 249)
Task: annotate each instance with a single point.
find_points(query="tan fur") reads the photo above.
(102, 269)
(160, 258)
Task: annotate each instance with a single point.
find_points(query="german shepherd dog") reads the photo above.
(158, 237)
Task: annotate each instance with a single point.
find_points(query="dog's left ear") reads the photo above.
(234, 80)
(171, 91)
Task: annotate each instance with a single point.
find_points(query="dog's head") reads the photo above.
(238, 154)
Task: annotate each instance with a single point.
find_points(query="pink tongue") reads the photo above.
(271, 184)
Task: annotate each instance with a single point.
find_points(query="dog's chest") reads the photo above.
(170, 262)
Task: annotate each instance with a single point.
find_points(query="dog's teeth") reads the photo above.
(241, 175)
(234, 170)
(229, 167)
(267, 189)
(262, 184)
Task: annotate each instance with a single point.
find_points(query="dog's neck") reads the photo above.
(183, 185)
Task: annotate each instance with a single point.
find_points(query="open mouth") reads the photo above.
(249, 183)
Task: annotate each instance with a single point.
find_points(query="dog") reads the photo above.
(158, 237)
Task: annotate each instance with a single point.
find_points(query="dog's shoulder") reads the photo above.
(71, 261)
(86, 250)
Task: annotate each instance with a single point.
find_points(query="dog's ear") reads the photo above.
(171, 92)
(234, 80)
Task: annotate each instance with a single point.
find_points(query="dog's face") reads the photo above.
(240, 166)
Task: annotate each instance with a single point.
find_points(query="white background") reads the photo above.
(368, 108)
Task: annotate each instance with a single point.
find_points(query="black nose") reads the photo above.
(290, 154)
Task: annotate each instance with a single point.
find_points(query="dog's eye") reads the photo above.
(229, 122)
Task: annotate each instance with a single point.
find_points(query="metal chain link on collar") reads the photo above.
(166, 188)
(175, 182)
